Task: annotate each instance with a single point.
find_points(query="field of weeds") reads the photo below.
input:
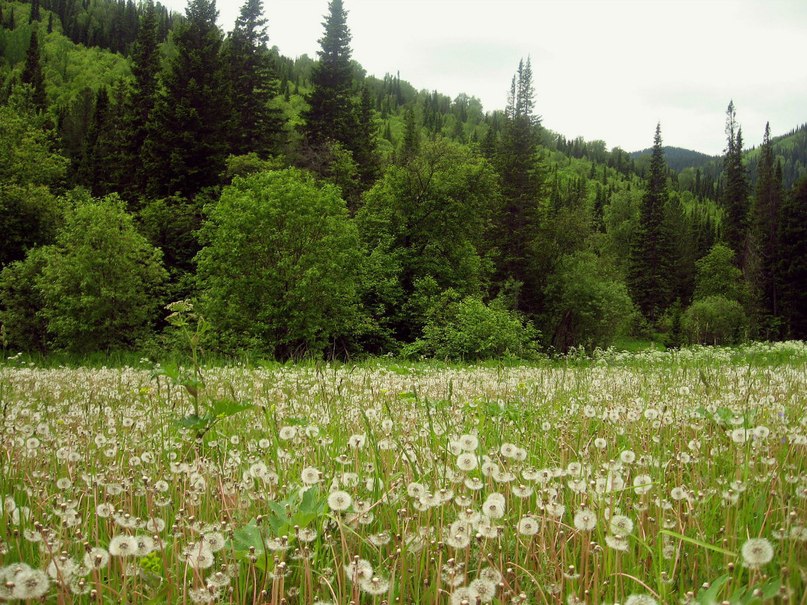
(654, 478)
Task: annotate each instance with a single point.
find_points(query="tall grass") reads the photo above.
(614, 479)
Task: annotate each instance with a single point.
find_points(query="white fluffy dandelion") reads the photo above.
(757, 552)
(339, 500)
(122, 545)
(640, 599)
(585, 520)
(30, 584)
(466, 462)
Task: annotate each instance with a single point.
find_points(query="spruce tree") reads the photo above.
(521, 187)
(186, 146)
(257, 127)
(364, 141)
(411, 138)
(651, 253)
(146, 70)
(331, 116)
(32, 72)
(793, 263)
(735, 189)
(765, 235)
(34, 15)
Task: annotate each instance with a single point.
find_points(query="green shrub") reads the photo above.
(715, 320)
(470, 330)
(101, 283)
(280, 269)
(24, 327)
(587, 306)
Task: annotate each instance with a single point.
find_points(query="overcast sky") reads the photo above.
(603, 69)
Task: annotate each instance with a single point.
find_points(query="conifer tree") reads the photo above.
(735, 190)
(651, 253)
(331, 115)
(34, 15)
(32, 72)
(765, 234)
(145, 69)
(411, 138)
(793, 267)
(521, 186)
(186, 146)
(364, 141)
(257, 127)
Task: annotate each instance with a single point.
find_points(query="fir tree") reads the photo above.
(521, 187)
(257, 127)
(34, 15)
(32, 72)
(364, 141)
(649, 275)
(735, 190)
(411, 138)
(331, 115)
(140, 104)
(186, 145)
(765, 235)
(793, 264)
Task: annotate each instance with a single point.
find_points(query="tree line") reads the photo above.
(307, 209)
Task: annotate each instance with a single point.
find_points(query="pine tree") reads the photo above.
(91, 164)
(32, 72)
(793, 263)
(364, 141)
(521, 187)
(651, 253)
(765, 235)
(140, 105)
(331, 115)
(34, 15)
(735, 190)
(186, 146)
(257, 126)
(411, 138)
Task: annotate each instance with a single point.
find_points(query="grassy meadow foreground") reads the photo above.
(634, 479)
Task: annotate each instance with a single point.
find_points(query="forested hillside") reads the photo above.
(301, 207)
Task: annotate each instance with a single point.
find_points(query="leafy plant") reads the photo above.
(192, 328)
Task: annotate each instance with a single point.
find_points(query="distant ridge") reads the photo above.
(679, 158)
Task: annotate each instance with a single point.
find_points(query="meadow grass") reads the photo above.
(651, 477)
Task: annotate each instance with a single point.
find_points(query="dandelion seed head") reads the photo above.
(757, 552)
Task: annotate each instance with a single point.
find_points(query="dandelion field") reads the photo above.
(653, 478)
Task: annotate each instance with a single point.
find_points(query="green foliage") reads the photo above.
(621, 217)
(652, 253)
(717, 275)
(70, 69)
(586, 305)
(280, 266)
(735, 188)
(431, 218)
(21, 303)
(257, 125)
(470, 330)
(32, 72)
(186, 144)
(29, 166)
(794, 261)
(330, 115)
(101, 281)
(715, 320)
(170, 224)
(521, 186)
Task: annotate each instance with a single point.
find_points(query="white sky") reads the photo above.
(603, 69)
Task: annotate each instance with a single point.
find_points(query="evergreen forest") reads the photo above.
(161, 177)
